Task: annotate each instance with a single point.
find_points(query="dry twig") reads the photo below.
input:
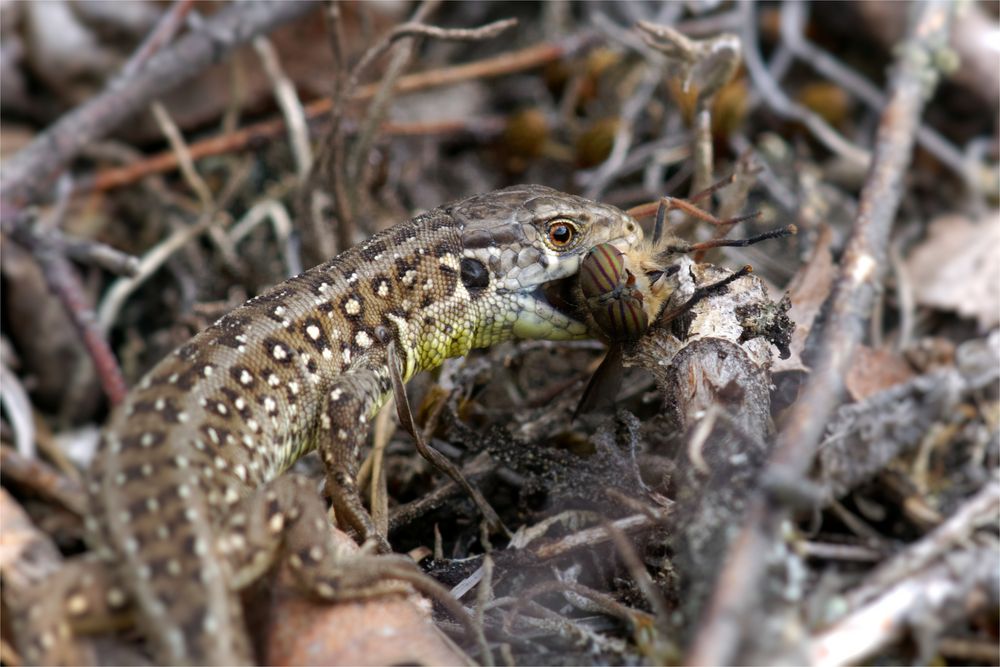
(63, 281)
(28, 174)
(508, 63)
(927, 578)
(160, 36)
(739, 585)
(777, 100)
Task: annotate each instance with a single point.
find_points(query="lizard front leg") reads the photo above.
(343, 429)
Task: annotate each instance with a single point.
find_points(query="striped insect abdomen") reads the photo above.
(611, 295)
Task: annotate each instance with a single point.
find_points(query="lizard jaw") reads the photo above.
(549, 312)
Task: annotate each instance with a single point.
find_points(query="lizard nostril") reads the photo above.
(474, 274)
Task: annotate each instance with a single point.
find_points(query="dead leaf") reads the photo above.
(957, 268)
(388, 629)
(874, 370)
(391, 630)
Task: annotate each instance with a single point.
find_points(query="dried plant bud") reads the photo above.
(526, 133)
(594, 145)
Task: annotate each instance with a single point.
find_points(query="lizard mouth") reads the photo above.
(562, 296)
(548, 312)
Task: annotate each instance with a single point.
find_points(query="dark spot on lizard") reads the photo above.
(141, 408)
(188, 545)
(214, 434)
(231, 394)
(449, 279)
(475, 276)
(443, 250)
(407, 232)
(133, 473)
(171, 413)
(402, 266)
(188, 352)
(230, 330)
(193, 626)
(187, 378)
(273, 508)
(371, 250)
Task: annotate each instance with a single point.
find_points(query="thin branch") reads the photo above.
(291, 105)
(179, 146)
(507, 63)
(28, 174)
(17, 406)
(150, 262)
(270, 209)
(776, 99)
(926, 576)
(252, 136)
(793, 21)
(862, 272)
(377, 110)
(597, 180)
(160, 36)
(86, 251)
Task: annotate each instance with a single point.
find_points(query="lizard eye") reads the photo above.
(561, 233)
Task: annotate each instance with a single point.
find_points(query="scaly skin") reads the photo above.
(185, 489)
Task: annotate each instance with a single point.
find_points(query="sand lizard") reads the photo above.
(187, 492)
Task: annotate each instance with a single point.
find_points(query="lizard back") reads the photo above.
(238, 404)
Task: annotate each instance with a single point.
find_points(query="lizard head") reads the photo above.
(521, 250)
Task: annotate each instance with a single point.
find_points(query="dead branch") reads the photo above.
(508, 63)
(253, 135)
(715, 389)
(28, 175)
(339, 165)
(290, 104)
(160, 36)
(16, 404)
(862, 271)
(44, 479)
(63, 281)
(777, 100)
(863, 437)
(931, 577)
